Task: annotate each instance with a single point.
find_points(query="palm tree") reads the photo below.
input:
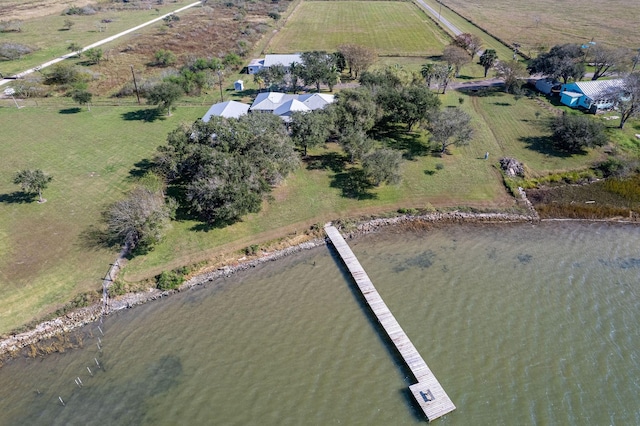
(427, 71)
(488, 59)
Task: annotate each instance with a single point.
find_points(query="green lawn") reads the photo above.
(46, 256)
(392, 28)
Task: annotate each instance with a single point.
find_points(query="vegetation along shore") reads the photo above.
(226, 134)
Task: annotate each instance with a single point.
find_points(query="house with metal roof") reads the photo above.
(284, 104)
(592, 95)
(229, 109)
(270, 60)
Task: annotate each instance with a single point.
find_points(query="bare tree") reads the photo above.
(627, 97)
(359, 58)
(469, 42)
(456, 56)
(513, 73)
(607, 61)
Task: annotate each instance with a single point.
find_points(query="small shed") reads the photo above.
(238, 86)
(546, 85)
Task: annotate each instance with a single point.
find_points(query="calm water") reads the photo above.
(522, 324)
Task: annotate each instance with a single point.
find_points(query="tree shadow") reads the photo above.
(95, 237)
(66, 111)
(141, 168)
(544, 145)
(395, 137)
(333, 161)
(147, 115)
(482, 92)
(17, 197)
(353, 184)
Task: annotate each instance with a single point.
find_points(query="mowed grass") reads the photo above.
(550, 22)
(510, 127)
(46, 34)
(47, 255)
(392, 28)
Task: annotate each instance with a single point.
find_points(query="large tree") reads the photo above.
(382, 165)
(140, 220)
(358, 58)
(456, 57)
(224, 167)
(32, 182)
(451, 126)
(164, 95)
(355, 109)
(309, 129)
(562, 61)
(407, 104)
(573, 133)
(513, 73)
(356, 143)
(317, 67)
(488, 59)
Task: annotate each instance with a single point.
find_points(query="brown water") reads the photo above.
(522, 324)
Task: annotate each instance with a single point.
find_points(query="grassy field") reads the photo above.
(47, 36)
(46, 255)
(392, 28)
(550, 22)
(49, 256)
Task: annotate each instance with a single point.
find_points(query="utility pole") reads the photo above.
(219, 71)
(135, 84)
(439, 10)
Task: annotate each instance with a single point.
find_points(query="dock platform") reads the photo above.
(428, 392)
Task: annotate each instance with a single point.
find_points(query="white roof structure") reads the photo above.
(269, 101)
(285, 60)
(285, 110)
(283, 104)
(316, 100)
(229, 109)
(597, 88)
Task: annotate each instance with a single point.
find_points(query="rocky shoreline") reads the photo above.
(15, 344)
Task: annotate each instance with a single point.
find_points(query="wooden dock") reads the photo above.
(428, 392)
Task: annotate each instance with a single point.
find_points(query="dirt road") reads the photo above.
(96, 44)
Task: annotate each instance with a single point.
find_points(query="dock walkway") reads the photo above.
(428, 392)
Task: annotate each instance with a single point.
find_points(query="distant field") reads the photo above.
(549, 22)
(46, 35)
(393, 28)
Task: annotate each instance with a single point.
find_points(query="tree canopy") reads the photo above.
(488, 59)
(32, 182)
(164, 95)
(574, 133)
(562, 61)
(451, 126)
(224, 167)
(140, 220)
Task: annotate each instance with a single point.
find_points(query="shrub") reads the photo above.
(11, 51)
(164, 58)
(169, 280)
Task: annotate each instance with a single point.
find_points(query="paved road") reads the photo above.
(96, 44)
(455, 30)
